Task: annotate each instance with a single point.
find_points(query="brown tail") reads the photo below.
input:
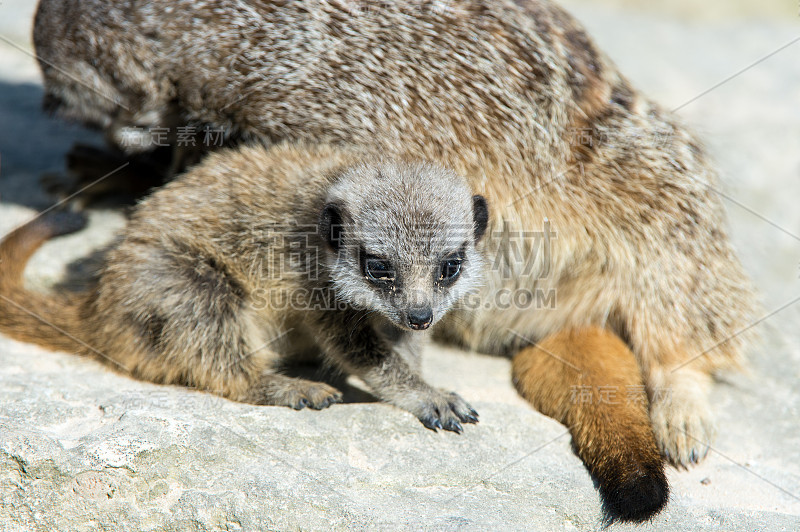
(50, 320)
(589, 380)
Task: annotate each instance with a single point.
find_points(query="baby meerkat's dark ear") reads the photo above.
(330, 225)
(480, 215)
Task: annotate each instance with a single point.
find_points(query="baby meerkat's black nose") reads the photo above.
(420, 318)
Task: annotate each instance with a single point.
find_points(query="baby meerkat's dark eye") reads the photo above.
(449, 269)
(379, 270)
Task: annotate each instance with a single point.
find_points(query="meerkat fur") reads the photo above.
(515, 96)
(189, 294)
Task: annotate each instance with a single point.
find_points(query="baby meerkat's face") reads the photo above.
(402, 240)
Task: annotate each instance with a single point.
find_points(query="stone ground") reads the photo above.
(83, 448)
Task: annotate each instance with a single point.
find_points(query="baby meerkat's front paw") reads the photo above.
(439, 409)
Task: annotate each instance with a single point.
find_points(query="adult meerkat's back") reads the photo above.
(515, 96)
(366, 253)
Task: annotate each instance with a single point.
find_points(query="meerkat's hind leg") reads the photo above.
(280, 390)
(194, 321)
(680, 413)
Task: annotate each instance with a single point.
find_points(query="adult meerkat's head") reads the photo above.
(401, 240)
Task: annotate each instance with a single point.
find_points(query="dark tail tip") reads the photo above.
(61, 223)
(635, 499)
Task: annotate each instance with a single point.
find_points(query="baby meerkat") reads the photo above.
(368, 253)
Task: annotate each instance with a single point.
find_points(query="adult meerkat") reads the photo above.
(360, 256)
(513, 95)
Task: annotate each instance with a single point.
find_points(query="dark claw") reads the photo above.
(472, 417)
(437, 424)
(430, 423)
(469, 419)
(453, 426)
(328, 401)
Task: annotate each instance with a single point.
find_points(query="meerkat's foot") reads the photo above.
(679, 410)
(440, 409)
(280, 390)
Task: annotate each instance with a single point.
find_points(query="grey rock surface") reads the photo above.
(84, 448)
